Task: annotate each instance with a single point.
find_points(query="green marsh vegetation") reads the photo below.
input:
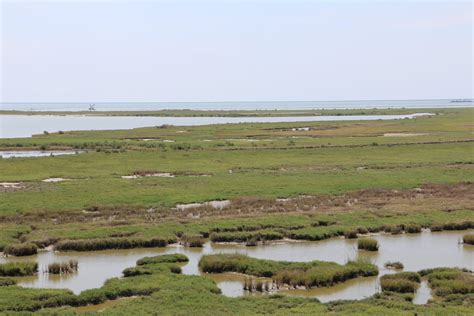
(13, 269)
(402, 282)
(450, 281)
(368, 244)
(468, 239)
(331, 181)
(294, 274)
(66, 267)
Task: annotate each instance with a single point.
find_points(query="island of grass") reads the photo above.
(293, 274)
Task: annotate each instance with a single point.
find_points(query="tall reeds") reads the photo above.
(368, 244)
(67, 267)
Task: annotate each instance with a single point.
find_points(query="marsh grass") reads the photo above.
(67, 267)
(468, 239)
(18, 268)
(449, 281)
(413, 229)
(7, 281)
(193, 241)
(25, 249)
(109, 243)
(368, 244)
(402, 282)
(307, 274)
(352, 234)
(255, 285)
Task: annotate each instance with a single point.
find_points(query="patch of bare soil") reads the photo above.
(11, 186)
(429, 197)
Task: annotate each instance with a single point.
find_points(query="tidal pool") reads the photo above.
(415, 251)
(34, 153)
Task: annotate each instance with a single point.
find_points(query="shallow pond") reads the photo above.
(415, 251)
(34, 153)
(12, 126)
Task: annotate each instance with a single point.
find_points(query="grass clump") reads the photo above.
(307, 274)
(352, 234)
(109, 243)
(403, 282)
(25, 249)
(172, 258)
(368, 244)
(413, 229)
(449, 281)
(195, 241)
(468, 239)
(7, 281)
(70, 266)
(18, 268)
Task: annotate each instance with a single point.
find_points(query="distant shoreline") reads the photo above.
(232, 113)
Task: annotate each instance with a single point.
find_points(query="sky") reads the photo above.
(184, 51)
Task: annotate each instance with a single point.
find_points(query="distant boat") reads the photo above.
(92, 107)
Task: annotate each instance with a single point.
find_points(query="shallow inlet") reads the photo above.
(27, 125)
(415, 251)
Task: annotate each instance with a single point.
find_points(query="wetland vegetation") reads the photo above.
(301, 181)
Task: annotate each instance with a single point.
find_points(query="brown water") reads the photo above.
(415, 251)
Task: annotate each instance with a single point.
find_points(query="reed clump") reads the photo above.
(194, 241)
(368, 244)
(25, 249)
(18, 268)
(352, 234)
(67, 267)
(413, 229)
(403, 282)
(262, 286)
(468, 239)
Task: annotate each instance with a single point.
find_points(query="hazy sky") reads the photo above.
(235, 50)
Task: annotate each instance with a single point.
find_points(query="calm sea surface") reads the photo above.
(12, 126)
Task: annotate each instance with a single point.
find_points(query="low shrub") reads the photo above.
(368, 244)
(25, 249)
(18, 268)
